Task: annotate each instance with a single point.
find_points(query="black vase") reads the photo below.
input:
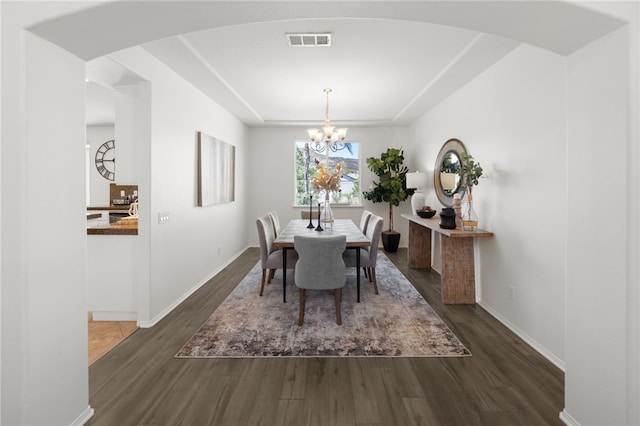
(448, 218)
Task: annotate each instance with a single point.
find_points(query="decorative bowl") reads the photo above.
(426, 213)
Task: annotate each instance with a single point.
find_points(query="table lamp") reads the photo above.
(448, 181)
(418, 181)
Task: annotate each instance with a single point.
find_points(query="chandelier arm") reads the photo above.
(337, 146)
(318, 147)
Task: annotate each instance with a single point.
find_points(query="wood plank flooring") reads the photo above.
(505, 382)
(105, 335)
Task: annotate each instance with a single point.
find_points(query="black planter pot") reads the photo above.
(390, 241)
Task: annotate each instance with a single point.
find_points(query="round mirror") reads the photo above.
(450, 173)
(446, 173)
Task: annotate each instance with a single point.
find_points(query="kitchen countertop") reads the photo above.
(123, 208)
(125, 226)
(113, 229)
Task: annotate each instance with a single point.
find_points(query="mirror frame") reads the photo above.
(458, 147)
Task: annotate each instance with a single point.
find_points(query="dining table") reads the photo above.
(355, 241)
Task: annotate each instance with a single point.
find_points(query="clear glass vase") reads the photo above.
(469, 215)
(326, 216)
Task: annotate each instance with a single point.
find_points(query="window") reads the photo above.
(347, 153)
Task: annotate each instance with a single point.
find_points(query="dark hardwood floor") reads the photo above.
(505, 382)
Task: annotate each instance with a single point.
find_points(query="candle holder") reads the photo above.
(457, 207)
(319, 228)
(310, 225)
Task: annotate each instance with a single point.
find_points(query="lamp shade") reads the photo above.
(313, 133)
(416, 180)
(448, 181)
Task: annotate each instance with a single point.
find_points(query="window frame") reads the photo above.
(356, 193)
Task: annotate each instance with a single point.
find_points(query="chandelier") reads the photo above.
(328, 133)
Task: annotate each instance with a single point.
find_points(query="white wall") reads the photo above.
(602, 381)
(597, 232)
(60, 274)
(197, 241)
(99, 186)
(271, 179)
(112, 286)
(43, 248)
(511, 119)
(126, 166)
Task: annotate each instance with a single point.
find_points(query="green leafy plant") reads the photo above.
(470, 171)
(391, 186)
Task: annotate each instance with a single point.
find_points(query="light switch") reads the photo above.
(163, 217)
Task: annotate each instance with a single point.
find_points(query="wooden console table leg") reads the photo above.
(458, 271)
(419, 252)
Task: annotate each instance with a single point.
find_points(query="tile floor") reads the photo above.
(105, 335)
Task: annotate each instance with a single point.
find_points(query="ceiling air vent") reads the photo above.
(309, 39)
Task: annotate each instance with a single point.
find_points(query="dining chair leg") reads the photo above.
(272, 273)
(372, 273)
(338, 298)
(365, 272)
(301, 314)
(370, 276)
(264, 276)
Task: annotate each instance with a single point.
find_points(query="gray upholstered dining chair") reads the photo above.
(275, 221)
(320, 267)
(364, 221)
(270, 257)
(368, 256)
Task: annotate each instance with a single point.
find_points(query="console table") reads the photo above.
(458, 270)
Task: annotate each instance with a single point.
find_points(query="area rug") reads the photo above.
(398, 322)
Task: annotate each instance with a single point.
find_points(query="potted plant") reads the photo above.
(470, 172)
(391, 188)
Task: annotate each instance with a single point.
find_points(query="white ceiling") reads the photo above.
(387, 64)
(381, 71)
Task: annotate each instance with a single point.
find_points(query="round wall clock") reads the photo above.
(106, 160)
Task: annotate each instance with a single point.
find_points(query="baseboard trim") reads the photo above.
(524, 336)
(84, 417)
(177, 302)
(568, 419)
(114, 316)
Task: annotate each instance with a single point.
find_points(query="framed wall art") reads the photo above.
(216, 171)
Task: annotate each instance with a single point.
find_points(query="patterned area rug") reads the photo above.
(397, 322)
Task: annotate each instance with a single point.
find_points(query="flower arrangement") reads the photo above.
(327, 180)
(470, 171)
